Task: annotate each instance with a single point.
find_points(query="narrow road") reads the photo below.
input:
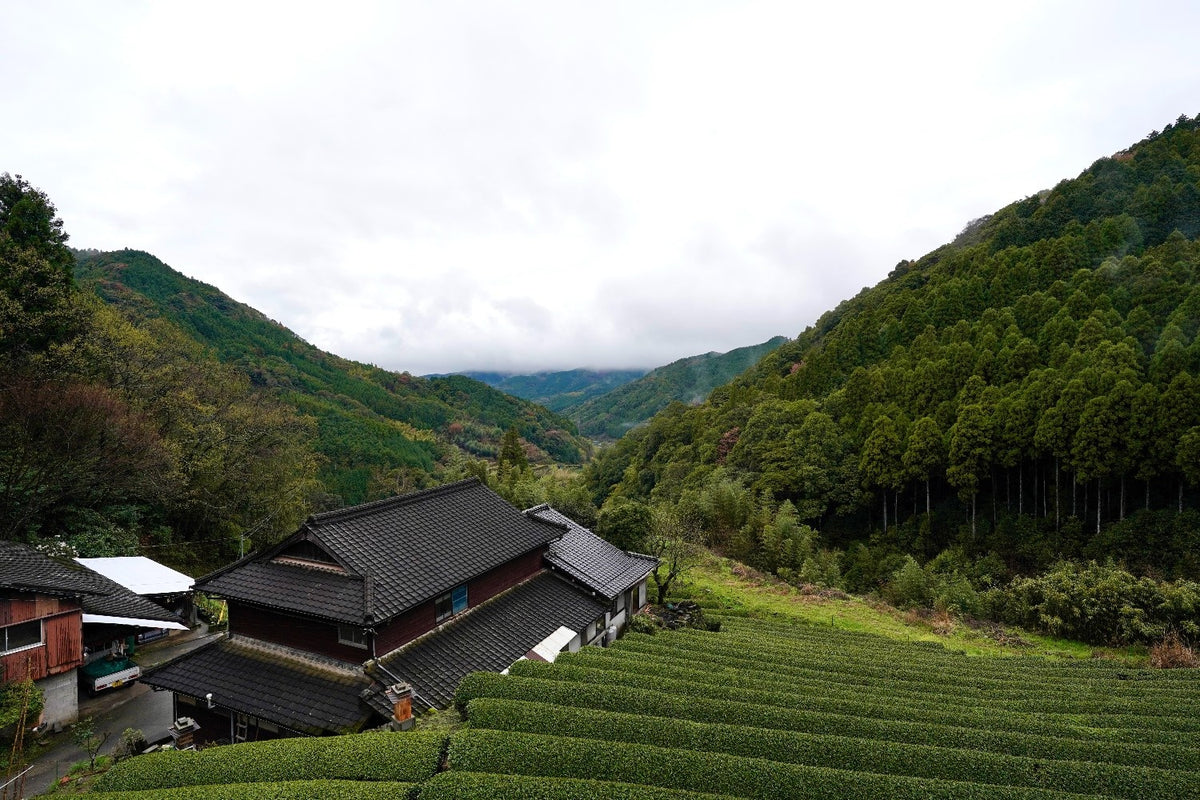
(135, 706)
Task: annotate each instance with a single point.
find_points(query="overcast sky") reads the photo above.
(444, 186)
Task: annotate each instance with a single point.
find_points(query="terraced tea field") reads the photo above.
(784, 710)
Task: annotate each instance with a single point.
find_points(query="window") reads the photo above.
(20, 636)
(451, 603)
(352, 635)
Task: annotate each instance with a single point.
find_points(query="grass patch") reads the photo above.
(723, 585)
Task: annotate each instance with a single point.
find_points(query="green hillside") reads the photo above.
(559, 391)
(1024, 394)
(688, 380)
(763, 709)
(371, 422)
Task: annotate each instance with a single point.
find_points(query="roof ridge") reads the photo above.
(533, 514)
(388, 502)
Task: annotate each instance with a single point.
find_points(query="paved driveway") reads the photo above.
(134, 706)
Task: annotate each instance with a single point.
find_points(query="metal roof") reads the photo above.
(25, 569)
(139, 574)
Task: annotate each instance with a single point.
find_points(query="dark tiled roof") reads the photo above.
(412, 548)
(22, 568)
(303, 694)
(292, 588)
(492, 636)
(599, 565)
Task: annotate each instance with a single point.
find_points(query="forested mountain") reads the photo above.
(143, 412)
(688, 380)
(1026, 393)
(374, 427)
(559, 391)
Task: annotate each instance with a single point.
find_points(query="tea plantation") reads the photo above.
(763, 709)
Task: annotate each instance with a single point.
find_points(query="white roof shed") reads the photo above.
(139, 574)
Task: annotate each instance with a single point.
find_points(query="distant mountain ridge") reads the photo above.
(607, 403)
(558, 391)
(688, 380)
(371, 421)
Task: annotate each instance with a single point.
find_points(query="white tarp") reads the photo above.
(139, 574)
(549, 648)
(141, 623)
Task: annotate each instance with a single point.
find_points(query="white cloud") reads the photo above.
(445, 186)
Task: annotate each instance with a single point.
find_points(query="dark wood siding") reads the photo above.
(312, 635)
(504, 577)
(62, 636)
(31, 662)
(321, 637)
(25, 607)
(405, 628)
(422, 619)
(64, 642)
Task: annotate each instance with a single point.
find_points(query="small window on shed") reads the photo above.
(20, 636)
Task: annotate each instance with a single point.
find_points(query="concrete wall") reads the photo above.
(62, 698)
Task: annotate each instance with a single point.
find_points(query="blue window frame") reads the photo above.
(451, 603)
(460, 599)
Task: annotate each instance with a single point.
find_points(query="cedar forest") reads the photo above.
(1008, 427)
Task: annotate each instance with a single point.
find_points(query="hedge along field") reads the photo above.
(1090, 700)
(659, 704)
(384, 757)
(878, 705)
(769, 691)
(862, 755)
(286, 790)
(913, 661)
(745, 654)
(505, 752)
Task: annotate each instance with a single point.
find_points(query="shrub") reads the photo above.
(1173, 653)
(459, 785)
(1032, 742)
(561, 757)
(817, 750)
(284, 790)
(407, 757)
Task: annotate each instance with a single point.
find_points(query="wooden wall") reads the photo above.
(423, 618)
(322, 637)
(62, 636)
(301, 633)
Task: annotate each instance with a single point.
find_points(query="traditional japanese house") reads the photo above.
(368, 611)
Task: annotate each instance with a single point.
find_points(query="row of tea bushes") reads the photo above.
(370, 757)
(605, 698)
(864, 755)
(505, 752)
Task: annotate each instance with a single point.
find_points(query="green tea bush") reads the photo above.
(872, 704)
(562, 757)
(1080, 698)
(285, 790)
(458, 785)
(863, 755)
(1032, 743)
(407, 757)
